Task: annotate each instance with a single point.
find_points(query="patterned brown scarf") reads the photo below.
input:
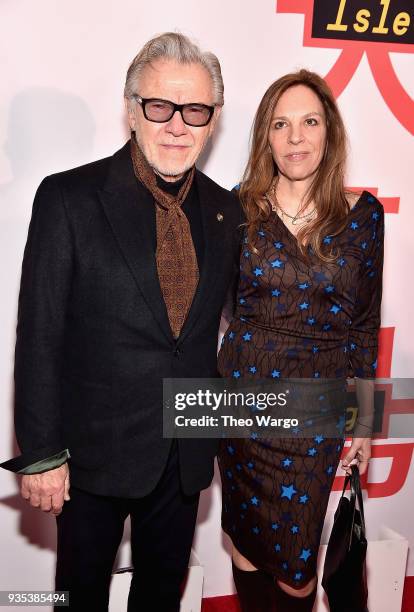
(176, 257)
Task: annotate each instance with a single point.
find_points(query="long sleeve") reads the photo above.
(44, 292)
(363, 335)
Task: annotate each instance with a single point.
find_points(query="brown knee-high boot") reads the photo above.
(290, 603)
(255, 590)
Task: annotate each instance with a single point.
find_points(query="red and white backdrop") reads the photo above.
(63, 68)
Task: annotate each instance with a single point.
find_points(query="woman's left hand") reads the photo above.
(359, 453)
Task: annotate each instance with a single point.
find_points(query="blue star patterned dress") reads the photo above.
(299, 318)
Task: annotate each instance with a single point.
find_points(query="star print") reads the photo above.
(303, 285)
(277, 263)
(294, 529)
(247, 337)
(303, 499)
(246, 254)
(371, 199)
(327, 239)
(330, 289)
(335, 309)
(319, 277)
(304, 306)
(305, 554)
(258, 272)
(229, 474)
(375, 216)
(318, 439)
(275, 526)
(288, 491)
(256, 530)
(341, 262)
(326, 327)
(298, 576)
(286, 462)
(354, 225)
(230, 450)
(316, 374)
(276, 292)
(261, 233)
(285, 565)
(250, 465)
(311, 321)
(278, 245)
(329, 470)
(315, 349)
(363, 245)
(275, 374)
(312, 451)
(231, 335)
(253, 369)
(277, 547)
(242, 301)
(236, 374)
(254, 501)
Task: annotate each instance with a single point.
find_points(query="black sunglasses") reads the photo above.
(161, 111)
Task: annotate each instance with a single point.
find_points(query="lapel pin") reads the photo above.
(220, 217)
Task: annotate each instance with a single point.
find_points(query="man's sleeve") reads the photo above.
(229, 306)
(44, 293)
(18, 464)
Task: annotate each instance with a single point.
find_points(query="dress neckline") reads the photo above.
(293, 236)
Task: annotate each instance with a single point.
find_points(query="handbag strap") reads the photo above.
(356, 484)
(355, 494)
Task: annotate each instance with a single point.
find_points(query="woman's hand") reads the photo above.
(359, 453)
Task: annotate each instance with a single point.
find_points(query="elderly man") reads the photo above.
(125, 271)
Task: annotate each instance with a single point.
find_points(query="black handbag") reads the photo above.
(344, 574)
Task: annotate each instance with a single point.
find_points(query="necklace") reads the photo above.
(295, 219)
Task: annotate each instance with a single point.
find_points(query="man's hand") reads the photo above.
(47, 491)
(359, 453)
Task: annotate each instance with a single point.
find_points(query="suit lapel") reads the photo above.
(214, 237)
(129, 208)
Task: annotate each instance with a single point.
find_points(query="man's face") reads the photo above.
(172, 148)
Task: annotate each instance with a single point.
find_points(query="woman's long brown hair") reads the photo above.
(327, 191)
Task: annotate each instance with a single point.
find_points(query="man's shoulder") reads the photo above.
(91, 174)
(88, 177)
(214, 189)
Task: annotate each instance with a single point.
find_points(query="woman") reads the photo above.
(308, 306)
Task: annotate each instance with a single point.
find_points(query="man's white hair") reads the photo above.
(174, 46)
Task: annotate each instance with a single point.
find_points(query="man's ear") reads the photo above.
(130, 112)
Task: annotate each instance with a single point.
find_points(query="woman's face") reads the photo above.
(297, 133)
